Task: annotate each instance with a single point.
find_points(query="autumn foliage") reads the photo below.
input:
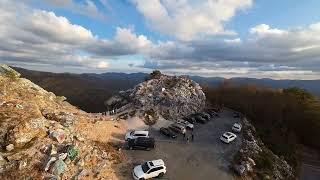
(284, 118)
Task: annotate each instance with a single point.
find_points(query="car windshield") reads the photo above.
(145, 167)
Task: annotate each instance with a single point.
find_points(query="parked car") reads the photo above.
(186, 124)
(237, 127)
(145, 143)
(228, 137)
(213, 113)
(205, 116)
(168, 132)
(190, 119)
(178, 128)
(136, 134)
(200, 119)
(149, 169)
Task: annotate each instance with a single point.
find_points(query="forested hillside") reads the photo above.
(86, 91)
(284, 118)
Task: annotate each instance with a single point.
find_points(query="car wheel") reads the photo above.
(141, 179)
(161, 175)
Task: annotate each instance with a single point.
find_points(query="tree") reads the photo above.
(154, 75)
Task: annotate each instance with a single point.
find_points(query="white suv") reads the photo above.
(237, 127)
(149, 169)
(136, 134)
(228, 137)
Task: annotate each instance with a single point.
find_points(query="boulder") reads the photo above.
(10, 147)
(27, 130)
(169, 96)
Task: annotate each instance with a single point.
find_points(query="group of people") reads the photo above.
(188, 138)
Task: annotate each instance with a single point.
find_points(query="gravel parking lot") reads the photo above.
(204, 158)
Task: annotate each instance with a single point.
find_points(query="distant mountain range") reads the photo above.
(90, 91)
(311, 85)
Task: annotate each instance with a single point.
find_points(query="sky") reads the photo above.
(225, 38)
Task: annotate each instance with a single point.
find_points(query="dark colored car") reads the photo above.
(168, 132)
(205, 116)
(178, 128)
(145, 143)
(200, 119)
(190, 119)
(214, 114)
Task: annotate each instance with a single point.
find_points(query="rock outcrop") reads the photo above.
(257, 161)
(41, 135)
(171, 97)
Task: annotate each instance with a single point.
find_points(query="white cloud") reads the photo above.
(41, 38)
(264, 29)
(233, 41)
(56, 28)
(187, 19)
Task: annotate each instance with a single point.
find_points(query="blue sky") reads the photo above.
(281, 14)
(244, 38)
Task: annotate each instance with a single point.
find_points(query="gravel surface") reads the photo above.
(205, 158)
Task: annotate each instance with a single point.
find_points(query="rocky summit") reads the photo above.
(171, 97)
(44, 137)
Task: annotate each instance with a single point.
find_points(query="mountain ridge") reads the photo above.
(89, 91)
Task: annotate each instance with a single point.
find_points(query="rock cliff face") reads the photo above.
(169, 96)
(257, 161)
(43, 136)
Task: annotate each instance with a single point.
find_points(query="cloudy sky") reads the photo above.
(228, 38)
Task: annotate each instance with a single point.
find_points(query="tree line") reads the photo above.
(284, 118)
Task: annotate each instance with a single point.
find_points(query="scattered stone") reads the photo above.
(53, 150)
(72, 153)
(2, 161)
(253, 163)
(240, 169)
(23, 164)
(63, 156)
(10, 147)
(80, 162)
(59, 135)
(80, 137)
(19, 106)
(59, 167)
(67, 161)
(65, 118)
(52, 160)
(81, 174)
